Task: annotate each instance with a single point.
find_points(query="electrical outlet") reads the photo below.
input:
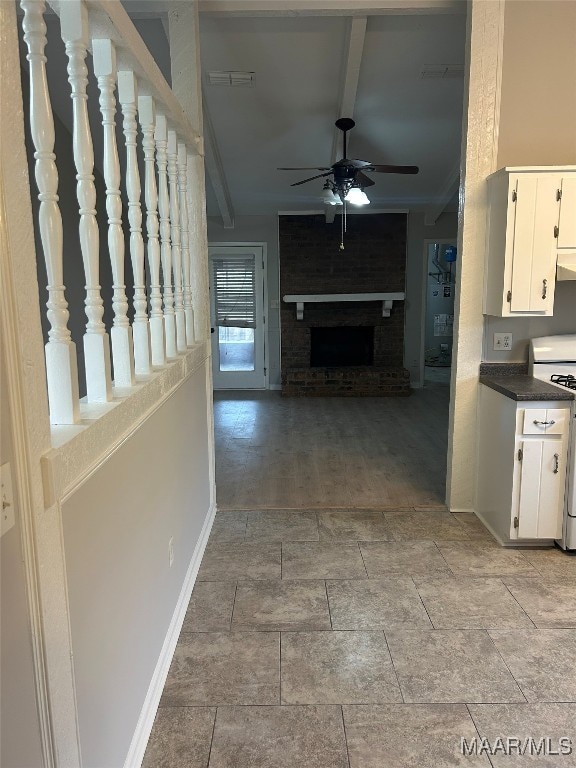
(7, 517)
(502, 342)
(171, 552)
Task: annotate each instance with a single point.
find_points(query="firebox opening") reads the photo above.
(341, 346)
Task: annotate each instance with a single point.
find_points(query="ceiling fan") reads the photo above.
(349, 176)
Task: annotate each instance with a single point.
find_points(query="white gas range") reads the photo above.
(553, 359)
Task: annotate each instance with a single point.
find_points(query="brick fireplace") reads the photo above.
(343, 348)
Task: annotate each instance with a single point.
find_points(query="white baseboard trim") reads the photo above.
(276, 387)
(148, 713)
(463, 509)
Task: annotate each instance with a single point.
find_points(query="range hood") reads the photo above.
(566, 266)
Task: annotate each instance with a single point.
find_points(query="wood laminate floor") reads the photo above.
(320, 452)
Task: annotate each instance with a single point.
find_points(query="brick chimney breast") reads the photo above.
(311, 262)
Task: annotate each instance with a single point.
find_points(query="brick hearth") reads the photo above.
(374, 260)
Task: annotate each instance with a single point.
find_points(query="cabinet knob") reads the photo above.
(544, 288)
(556, 463)
(556, 232)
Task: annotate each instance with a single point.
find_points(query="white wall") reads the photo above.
(259, 229)
(122, 592)
(446, 227)
(20, 745)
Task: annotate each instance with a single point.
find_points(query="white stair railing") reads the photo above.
(61, 363)
(74, 30)
(185, 239)
(128, 97)
(165, 269)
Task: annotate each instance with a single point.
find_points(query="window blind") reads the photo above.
(235, 292)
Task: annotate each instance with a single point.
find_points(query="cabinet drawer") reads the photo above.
(542, 421)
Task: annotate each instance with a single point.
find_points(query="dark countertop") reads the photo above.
(526, 388)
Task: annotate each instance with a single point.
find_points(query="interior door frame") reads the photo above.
(265, 307)
(429, 241)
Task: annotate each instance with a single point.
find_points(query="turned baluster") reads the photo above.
(161, 137)
(146, 115)
(185, 242)
(128, 96)
(198, 248)
(61, 363)
(74, 31)
(176, 241)
(104, 58)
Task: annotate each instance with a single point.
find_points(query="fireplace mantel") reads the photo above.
(387, 300)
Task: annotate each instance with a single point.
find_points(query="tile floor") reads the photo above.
(375, 638)
(342, 618)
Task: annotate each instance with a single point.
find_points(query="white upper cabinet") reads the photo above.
(567, 217)
(531, 214)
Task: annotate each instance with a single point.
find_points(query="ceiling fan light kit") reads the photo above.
(349, 176)
(357, 196)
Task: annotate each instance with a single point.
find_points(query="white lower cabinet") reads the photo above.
(523, 451)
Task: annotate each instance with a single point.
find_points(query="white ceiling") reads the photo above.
(287, 118)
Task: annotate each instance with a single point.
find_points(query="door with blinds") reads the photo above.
(237, 316)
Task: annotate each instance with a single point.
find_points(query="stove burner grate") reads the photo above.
(565, 380)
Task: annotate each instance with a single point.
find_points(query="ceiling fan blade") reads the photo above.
(353, 163)
(305, 168)
(393, 168)
(320, 175)
(363, 180)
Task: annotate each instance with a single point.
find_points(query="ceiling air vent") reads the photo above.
(231, 79)
(441, 71)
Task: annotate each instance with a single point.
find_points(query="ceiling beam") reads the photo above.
(349, 77)
(215, 170)
(328, 7)
(445, 193)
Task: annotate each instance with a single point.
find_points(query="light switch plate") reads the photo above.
(502, 342)
(7, 516)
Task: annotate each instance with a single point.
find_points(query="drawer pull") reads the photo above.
(544, 423)
(556, 463)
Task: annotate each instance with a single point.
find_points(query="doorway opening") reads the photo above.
(440, 265)
(238, 322)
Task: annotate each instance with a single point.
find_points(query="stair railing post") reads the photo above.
(161, 137)
(176, 240)
(185, 239)
(104, 59)
(74, 31)
(147, 116)
(128, 98)
(61, 362)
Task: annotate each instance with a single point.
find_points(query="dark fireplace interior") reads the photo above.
(342, 346)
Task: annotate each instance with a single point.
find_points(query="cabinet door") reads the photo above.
(542, 486)
(567, 220)
(552, 490)
(534, 250)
